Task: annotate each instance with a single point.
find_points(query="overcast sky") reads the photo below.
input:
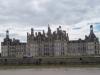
(75, 16)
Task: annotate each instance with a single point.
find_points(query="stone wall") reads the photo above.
(51, 60)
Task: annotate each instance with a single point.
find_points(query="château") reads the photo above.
(50, 44)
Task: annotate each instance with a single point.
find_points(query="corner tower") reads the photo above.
(92, 36)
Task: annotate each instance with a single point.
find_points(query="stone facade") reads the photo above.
(47, 44)
(58, 44)
(12, 47)
(88, 46)
(50, 44)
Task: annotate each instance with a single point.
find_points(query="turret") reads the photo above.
(43, 33)
(36, 34)
(67, 37)
(32, 31)
(92, 35)
(49, 31)
(59, 27)
(27, 36)
(7, 34)
(91, 28)
(49, 28)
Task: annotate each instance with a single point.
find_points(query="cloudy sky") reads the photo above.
(75, 16)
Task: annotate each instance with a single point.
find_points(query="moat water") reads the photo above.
(51, 71)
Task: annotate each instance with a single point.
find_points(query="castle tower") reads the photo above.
(43, 33)
(92, 35)
(49, 31)
(7, 34)
(91, 28)
(32, 31)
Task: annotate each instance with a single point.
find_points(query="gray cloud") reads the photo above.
(42, 12)
(19, 15)
(76, 28)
